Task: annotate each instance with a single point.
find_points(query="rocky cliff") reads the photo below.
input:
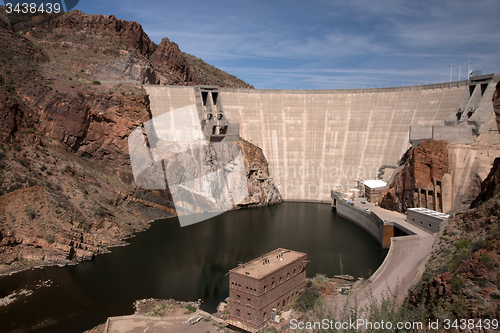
(440, 176)
(424, 165)
(462, 276)
(496, 104)
(66, 186)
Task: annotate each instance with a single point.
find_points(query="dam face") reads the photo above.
(318, 141)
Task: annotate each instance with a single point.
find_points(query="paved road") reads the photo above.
(401, 266)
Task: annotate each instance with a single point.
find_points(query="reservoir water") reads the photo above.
(188, 263)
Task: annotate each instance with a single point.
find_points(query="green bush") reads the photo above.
(307, 299)
(462, 244)
(97, 83)
(457, 284)
(30, 212)
(50, 238)
(190, 309)
(79, 94)
(478, 245)
(101, 211)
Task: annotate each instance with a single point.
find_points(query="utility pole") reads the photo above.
(459, 70)
(468, 71)
(451, 69)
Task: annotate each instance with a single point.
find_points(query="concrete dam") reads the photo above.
(321, 140)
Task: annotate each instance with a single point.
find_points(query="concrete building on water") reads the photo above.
(260, 288)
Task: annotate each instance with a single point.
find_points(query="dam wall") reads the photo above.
(316, 141)
(368, 221)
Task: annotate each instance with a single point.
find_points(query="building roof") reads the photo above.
(374, 183)
(267, 263)
(430, 212)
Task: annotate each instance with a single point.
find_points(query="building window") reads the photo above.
(272, 285)
(238, 297)
(248, 301)
(239, 313)
(248, 316)
(287, 276)
(265, 287)
(294, 271)
(281, 279)
(264, 316)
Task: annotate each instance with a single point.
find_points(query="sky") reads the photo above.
(325, 44)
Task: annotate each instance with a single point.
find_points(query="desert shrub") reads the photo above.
(462, 244)
(489, 245)
(487, 261)
(95, 82)
(307, 299)
(190, 309)
(30, 212)
(50, 238)
(457, 284)
(101, 211)
(478, 245)
(14, 187)
(79, 94)
(320, 277)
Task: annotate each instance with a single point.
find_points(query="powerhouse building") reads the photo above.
(264, 286)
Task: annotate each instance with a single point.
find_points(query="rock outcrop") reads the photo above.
(168, 59)
(440, 176)
(496, 104)
(424, 166)
(262, 190)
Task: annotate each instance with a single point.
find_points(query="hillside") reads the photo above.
(212, 75)
(70, 94)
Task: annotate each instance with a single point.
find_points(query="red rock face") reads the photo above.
(168, 59)
(100, 132)
(496, 104)
(427, 162)
(430, 161)
(131, 32)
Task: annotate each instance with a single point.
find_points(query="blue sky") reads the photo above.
(325, 44)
